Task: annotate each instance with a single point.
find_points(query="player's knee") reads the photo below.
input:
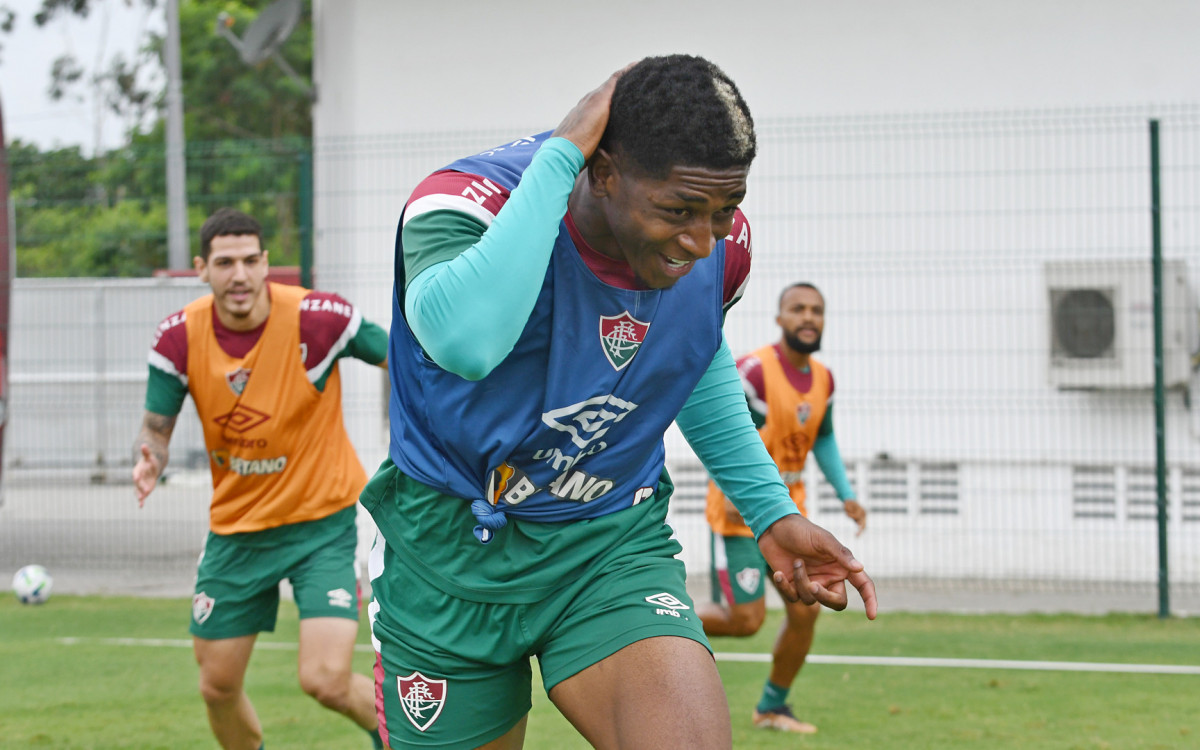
(330, 688)
(746, 621)
(217, 691)
(801, 618)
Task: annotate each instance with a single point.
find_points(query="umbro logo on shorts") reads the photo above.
(667, 604)
(340, 598)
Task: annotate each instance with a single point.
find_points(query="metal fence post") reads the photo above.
(306, 217)
(101, 395)
(1160, 443)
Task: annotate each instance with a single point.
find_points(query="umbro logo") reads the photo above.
(667, 604)
(587, 421)
(242, 418)
(340, 598)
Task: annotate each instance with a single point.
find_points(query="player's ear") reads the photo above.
(201, 268)
(602, 173)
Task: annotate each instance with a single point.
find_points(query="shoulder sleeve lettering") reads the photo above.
(168, 352)
(750, 370)
(737, 259)
(470, 194)
(167, 384)
(327, 324)
(446, 215)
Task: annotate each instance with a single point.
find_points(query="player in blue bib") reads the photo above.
(558, 304)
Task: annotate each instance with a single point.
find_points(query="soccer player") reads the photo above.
(261, 363)
(558, 303)
(791, 399)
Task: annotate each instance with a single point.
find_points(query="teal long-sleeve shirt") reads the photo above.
(468, 299)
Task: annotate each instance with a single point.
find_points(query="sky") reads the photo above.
(113, 26)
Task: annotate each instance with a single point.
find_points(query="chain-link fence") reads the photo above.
(990, 327)
(78, 349)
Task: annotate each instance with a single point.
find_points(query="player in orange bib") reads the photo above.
(790, 395)
(260, 362)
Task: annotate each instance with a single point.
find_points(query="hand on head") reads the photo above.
(584, 125)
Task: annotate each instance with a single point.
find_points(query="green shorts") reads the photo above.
(453, 672)
(739, 571)
(237, 583)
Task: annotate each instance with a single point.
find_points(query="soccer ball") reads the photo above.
(32, 584)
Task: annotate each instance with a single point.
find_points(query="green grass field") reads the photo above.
(94, 693)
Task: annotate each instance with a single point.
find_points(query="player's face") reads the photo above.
(236, 270)
(661, 227)
(802, 318)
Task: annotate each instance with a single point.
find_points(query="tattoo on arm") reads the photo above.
(155, 434)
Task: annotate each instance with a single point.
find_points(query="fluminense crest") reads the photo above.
(621, 336)
(422, 699)
(237, 379)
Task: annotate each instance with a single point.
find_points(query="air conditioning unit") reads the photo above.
(1102, 323)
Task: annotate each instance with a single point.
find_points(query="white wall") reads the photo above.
(384, 66)
(405, 87)
(387, 70)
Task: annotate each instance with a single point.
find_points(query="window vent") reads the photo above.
(938, 489)
(1190, 490)
(887, 487)
(826, 499)
(1141, 494)
(1093, 492)
(691, 488)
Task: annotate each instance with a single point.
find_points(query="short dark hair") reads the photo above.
(799, 285)
(679, 110)
(225, 222)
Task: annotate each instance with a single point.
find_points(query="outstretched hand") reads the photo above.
(145, 474)
(584, 125)
(857, 513)
(811, 565)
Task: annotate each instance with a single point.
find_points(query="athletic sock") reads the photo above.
(376, 740)
(773, 696)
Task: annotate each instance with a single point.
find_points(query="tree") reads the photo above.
(75, 216)
(246, 128)
(223, 97)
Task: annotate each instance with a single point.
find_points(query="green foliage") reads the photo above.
(225, 98)
(122, 241)
(247, 132)
(106, 215)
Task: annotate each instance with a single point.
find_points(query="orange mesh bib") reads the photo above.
(277, 448)
(793, 420)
